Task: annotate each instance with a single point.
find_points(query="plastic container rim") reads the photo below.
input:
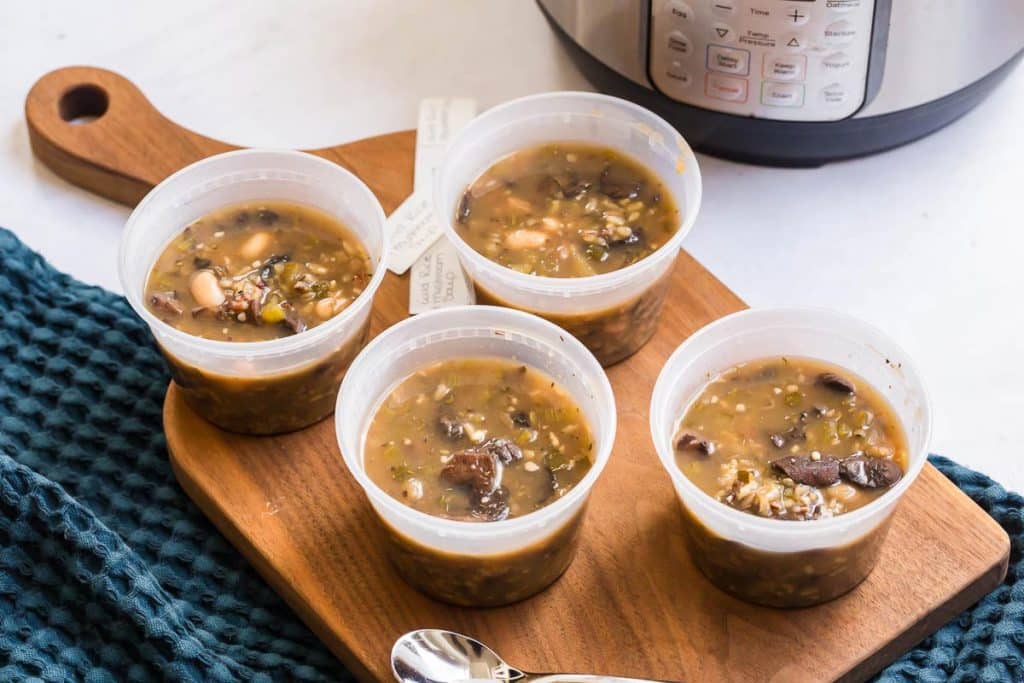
(677, 364)
(267, 348)
(451, 527)
(590, 283)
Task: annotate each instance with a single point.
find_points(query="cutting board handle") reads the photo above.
(94, 128)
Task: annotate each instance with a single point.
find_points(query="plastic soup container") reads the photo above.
(778, 562)
(261, 387)
(615, 313)
(476, 563)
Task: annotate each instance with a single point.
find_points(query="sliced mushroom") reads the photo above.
(521, 418)
(550, 485)
(267, 216)
(563, 187)
(292, 320)
(503, 449)
(617, 189)
(691, 442)
(256, 308)
(451, 428)
(167, 301)
(831, 380)
(870, 472)
(574, 187)
(490, 507)
(474, 468)
(795, 433)
(804, 470)
(465, 207)
(267, 270)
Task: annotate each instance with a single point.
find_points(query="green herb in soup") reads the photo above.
(566, 210)
(791, 438)
(478, 439)
(257, 271)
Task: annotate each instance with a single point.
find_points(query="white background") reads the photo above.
(926, 241)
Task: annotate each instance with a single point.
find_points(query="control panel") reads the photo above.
(791, 60)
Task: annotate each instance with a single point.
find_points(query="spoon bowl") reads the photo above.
(438, 656)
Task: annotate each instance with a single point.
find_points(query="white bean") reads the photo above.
(412, 488)
(324, 308)
(255, 245)
(525, 239)
(205, 289)
(520, 204)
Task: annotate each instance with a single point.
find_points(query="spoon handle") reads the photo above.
(585, 678)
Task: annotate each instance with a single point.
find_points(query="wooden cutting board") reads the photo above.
(632, 603)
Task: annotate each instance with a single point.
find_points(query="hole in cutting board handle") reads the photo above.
(83, 104)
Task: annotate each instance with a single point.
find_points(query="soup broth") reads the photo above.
(566, 210)
(257, 271)
(792, 439)
(479, 440)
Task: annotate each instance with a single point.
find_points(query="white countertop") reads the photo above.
(925, 241)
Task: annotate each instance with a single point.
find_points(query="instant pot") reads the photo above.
(795, 82)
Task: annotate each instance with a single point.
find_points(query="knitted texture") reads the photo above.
(986, 642)
(109, 573)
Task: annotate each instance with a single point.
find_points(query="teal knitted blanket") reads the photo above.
(109, 573)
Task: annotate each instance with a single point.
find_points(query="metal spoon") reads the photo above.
(435, 656)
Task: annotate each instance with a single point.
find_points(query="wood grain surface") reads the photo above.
(632, 603)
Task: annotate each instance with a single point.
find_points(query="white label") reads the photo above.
(438, 281)
(413, 227)
(439, 120)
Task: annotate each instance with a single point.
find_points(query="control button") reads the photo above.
(797, 16)
(724, 8)
(793, 42)
(842, 6)
(837, 63)
(680, 11)
(678, 74)
(679, 43)
(728, 60)
(725, 88)
(782, 94)
(723, 32)
(833, 95)
(785, 67)
(840, 32)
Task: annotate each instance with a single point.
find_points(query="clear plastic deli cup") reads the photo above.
(259, 387)
(786, 563)
(465, 562)
(615, 313)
